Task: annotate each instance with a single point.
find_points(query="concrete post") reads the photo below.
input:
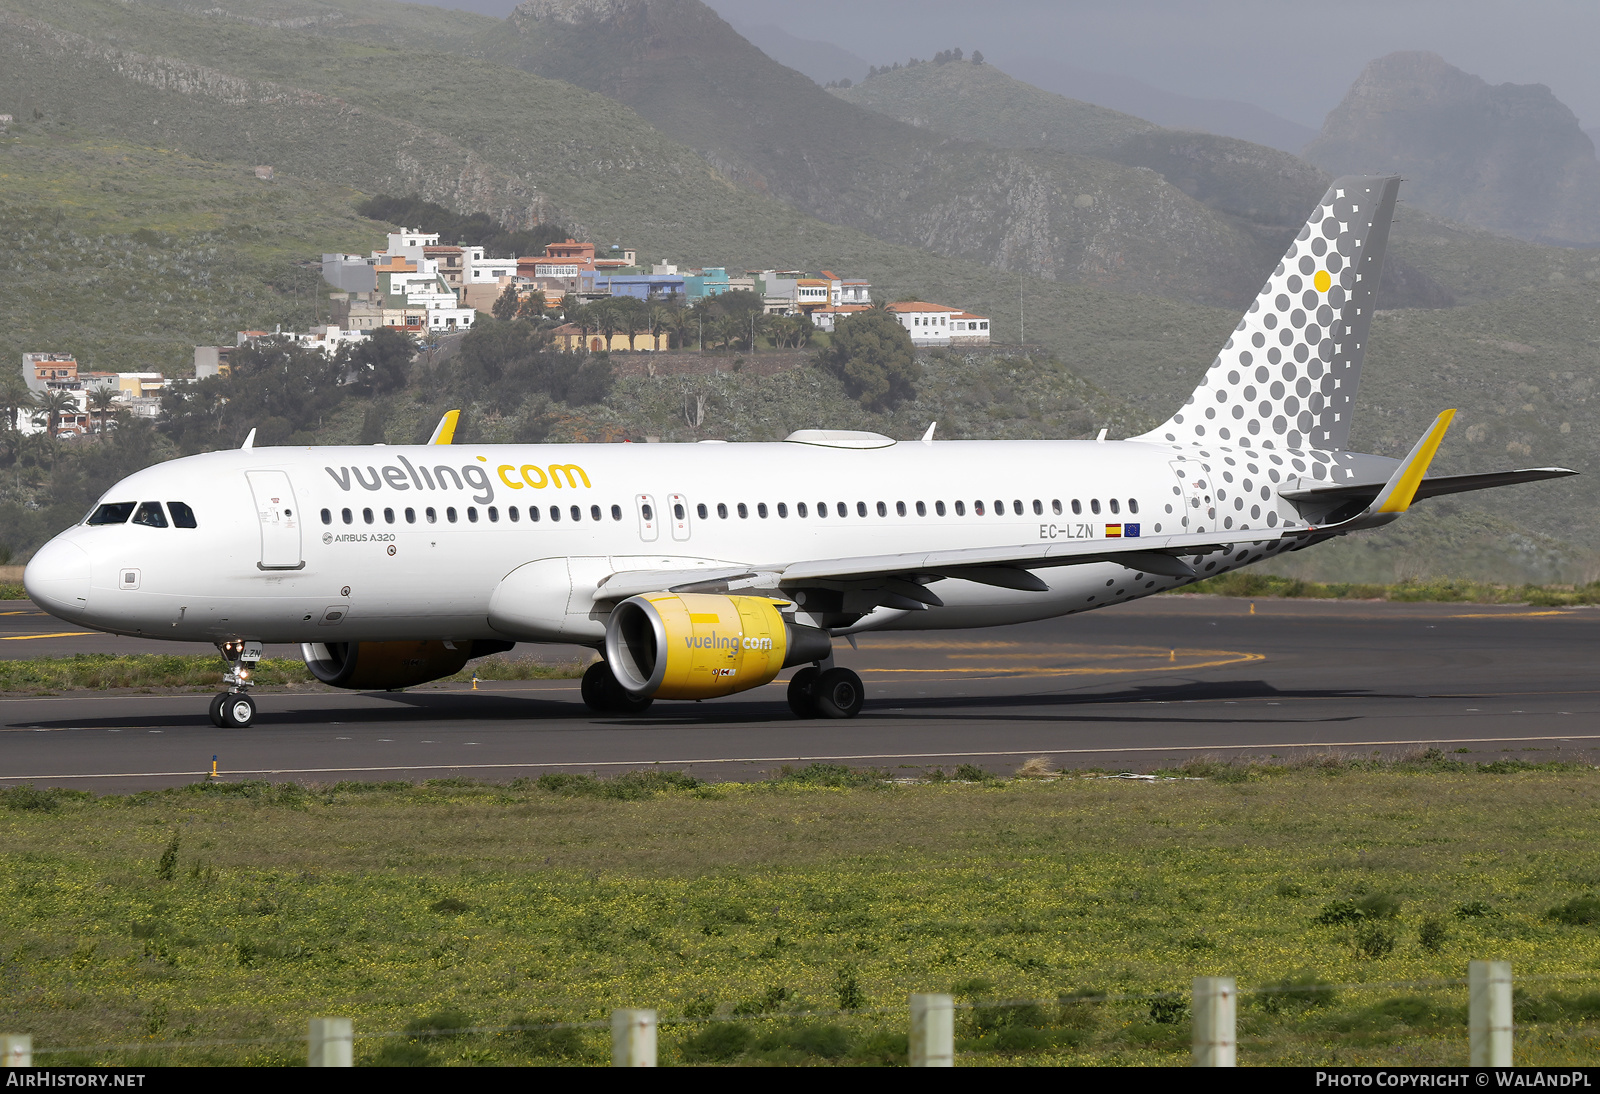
(1489, 1013)
(16, 1050)
(331, 1043)
(633, 1038)
(1214, 1010)
(933, 1031)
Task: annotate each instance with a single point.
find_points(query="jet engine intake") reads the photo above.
(371, 666)
(702, 645)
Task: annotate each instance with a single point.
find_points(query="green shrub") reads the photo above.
(830, 775)
(29, 799)
(1338, 912)
(167, 867)
(1374, 941)
(1296, 993)
(1474, 909)
(884, 1048)
(1168, 1011)
(630, 786)
(826, 1041)
(403, 1054)
(847, 989)
(1580, 911)
(559, 1043)
(972, 773)
(442, 1023)
(1379, 906)
(1432, 934)
(449, 904)
(718, 1041)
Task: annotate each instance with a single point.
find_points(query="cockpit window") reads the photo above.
(150, 514)
(182, 515)
(113, 512)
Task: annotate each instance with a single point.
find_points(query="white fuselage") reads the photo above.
(339, 546)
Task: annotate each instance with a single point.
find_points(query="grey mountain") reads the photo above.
(1510, 157)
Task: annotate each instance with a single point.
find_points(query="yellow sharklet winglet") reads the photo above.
(445, 431)
(1402, 485)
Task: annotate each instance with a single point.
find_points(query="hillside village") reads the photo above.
(588, 301)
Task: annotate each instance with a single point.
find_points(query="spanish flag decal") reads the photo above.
(1113, 531)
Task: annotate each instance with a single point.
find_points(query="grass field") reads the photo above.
(785, 921)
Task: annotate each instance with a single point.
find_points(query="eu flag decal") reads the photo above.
(1130, 531)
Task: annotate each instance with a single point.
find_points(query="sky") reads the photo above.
(1295, 58)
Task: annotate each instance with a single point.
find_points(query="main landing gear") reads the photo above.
(825, 693)
(602, 692)
(234, 709)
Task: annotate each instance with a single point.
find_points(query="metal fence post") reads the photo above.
(16, 1050)
(633, 1038)
(1489, 1013)
(1214, 1011)
(933, 1031)
(331, 1043)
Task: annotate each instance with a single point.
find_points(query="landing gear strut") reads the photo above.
(234, 709)
(825, 693)
(604, 694)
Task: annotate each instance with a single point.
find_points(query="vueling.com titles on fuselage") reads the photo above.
(469, 477)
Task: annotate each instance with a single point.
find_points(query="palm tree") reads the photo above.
(101, 401)
(53, 405)
(14, 395)
(632, 314)
(606, 318)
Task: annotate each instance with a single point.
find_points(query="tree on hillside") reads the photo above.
(380, 364)
(14, 396)
(470, 229)
(532, 308)
(506, 363)
(977, 56)
(505, 306)
(274, 386)
(871, 354)
(632, 317)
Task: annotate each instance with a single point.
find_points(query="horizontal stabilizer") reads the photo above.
(1433, 486)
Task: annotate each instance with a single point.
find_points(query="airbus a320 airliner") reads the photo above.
(699, 570)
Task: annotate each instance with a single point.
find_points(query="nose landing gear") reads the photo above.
(234, 709)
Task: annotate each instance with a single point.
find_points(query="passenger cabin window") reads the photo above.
(938, 508)
(113, 512)
(977, 508)
(1077, 507)
(822, 509)
(1038, 507)
(783, 510)
(594, 512)
(388, 516)
(922, 510)
(799, 509)
(450, 513)
(744, 511)
(861, 508)
(1016, 506)
(844, 510)
(347, 516)
(616, 513)
(1115, 508)
(722, 510)
(577, 513)
(411, 516)
(366, 515)
(900, 508)
(1133, 506)
(533, 514)
(1094, 505)
(494, 515)
(1055, 506)
(961, 509)
(149, 514)
(327, 516)
(432, 515)
(761, 510)
(700, 510)
(555, 512)
(472, 514)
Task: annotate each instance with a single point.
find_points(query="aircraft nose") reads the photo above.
(57, 579)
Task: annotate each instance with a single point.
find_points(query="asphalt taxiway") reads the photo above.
(1137, 686)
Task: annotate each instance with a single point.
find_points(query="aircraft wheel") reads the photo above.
(238, 711)
(838, 694)
(802, 697)
(597, 680)
(216, 709)
(604, 695)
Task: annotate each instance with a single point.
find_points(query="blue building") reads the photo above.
(642, 286)
(708, 282)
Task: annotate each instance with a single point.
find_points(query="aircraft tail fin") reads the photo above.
(1287, 378)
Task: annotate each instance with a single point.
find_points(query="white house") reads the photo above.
(937, 325)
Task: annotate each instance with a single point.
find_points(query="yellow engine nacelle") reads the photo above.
(371, 666)
(702, 645)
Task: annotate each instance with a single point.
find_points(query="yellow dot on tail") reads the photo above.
(1322, 281)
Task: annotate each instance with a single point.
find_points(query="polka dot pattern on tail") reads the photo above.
(1312, 318)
